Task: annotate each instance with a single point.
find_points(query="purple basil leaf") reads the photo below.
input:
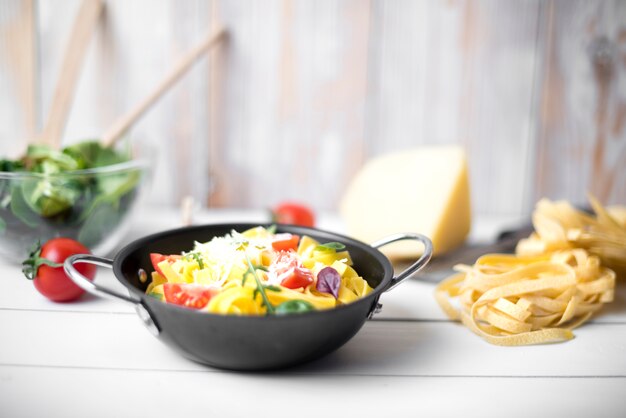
(328, 281)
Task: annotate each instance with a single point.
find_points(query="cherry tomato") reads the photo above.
(284, 242)
(294, 213)
(156, 258)
(289, 272)
(50, 280)
(190, 295)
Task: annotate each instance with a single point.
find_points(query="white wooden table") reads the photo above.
(93, 358)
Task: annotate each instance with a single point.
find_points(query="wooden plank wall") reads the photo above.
(303, 92)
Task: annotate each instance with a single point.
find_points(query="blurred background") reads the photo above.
(302, 93)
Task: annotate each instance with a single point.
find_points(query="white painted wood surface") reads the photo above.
(94, 358)
(305, 91)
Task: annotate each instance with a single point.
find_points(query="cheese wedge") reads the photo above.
(618, 213)
(423, 190)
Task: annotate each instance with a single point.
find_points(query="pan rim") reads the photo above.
(145, 240)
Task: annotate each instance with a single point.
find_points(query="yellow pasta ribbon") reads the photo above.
(511, 300)
(560, 226)
(236, 300)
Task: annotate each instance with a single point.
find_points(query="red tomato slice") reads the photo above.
(298, 277)
(190, 295)
(289, 272)
(156, 258)
(285, 242)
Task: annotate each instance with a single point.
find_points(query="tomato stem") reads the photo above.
(31, 265)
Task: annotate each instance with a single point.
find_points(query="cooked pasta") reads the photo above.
(256, 273)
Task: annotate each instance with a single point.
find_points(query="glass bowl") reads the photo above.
(93, 206)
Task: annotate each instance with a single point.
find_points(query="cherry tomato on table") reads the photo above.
(294, 213)
(45, 267)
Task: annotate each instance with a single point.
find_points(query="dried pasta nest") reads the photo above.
(560, 276)
(515, 300)
(559, 226)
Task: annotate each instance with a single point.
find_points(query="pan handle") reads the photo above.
(416, 266)
(88, 285)
(94, 289)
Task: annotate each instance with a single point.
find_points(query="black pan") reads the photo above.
(247, 342)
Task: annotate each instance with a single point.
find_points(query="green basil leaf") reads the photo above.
(294, 306)
(335, 246)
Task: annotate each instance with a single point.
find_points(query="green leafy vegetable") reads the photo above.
(294, 306)
(38, 154)
(21, 209)
(98, 223)
(334, 246)
(50, 203)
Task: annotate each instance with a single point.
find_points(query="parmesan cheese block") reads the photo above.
(618, 213)
(423, 190)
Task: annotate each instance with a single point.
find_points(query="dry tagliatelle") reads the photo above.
(536, 296)
(559, 226)
(258, 272)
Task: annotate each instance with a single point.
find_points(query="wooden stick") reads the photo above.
(125, 122)
(84, 25)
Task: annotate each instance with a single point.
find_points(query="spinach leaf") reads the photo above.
(110, 188)
(50, 196)
(91, 154)
(11, 165)
(21, 209)
(98, 224)
(38, 153)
